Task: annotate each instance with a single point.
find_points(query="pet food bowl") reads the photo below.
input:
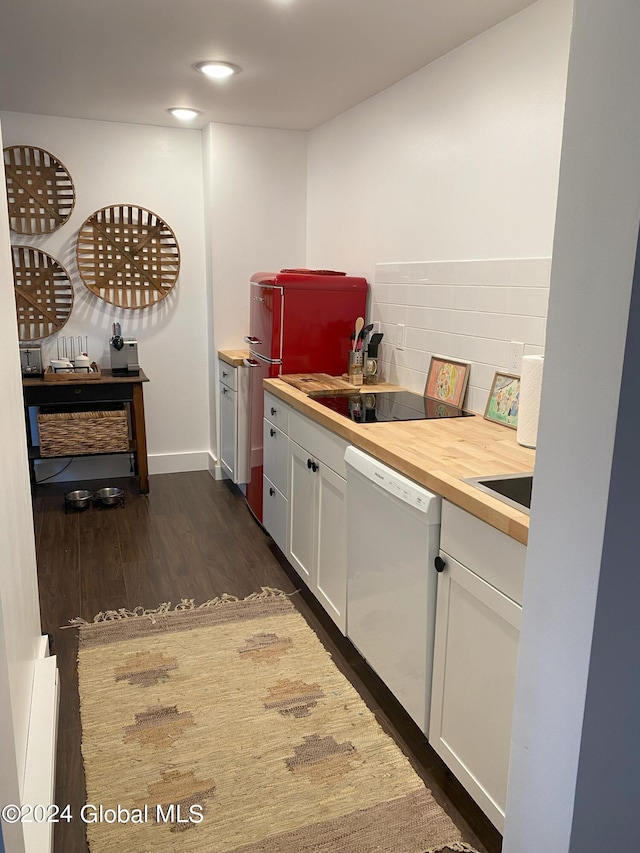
(78, 499)
(110, 496)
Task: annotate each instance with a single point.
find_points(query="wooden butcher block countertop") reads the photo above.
(234, 357)
(436, 453)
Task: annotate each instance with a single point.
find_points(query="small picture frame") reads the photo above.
(504, 399)
(447, 381)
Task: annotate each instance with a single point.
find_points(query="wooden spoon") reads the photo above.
(359, 328)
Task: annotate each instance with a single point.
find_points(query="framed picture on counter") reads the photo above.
(447, 381)
(504, 399)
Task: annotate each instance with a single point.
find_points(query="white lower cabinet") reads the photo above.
(304, 489)
(303, 513)
(475, 658)
(234, 421)
(275, 480)
(318, 533)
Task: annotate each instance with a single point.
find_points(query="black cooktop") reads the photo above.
(384, 406)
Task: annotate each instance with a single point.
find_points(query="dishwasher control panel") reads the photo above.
(391, 481)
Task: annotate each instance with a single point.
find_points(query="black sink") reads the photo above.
(512, 489)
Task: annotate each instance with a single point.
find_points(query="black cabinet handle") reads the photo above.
(224, 373)
(273, 411)
(440, 564)
(225, 390)
(272, 432)
(309, 464)
(314, 467)
(272, 491)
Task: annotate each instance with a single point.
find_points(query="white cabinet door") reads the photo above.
(331, 549)
(474, 672)
(302, 513)
(276, 457)
(228, 430)
(275, 514)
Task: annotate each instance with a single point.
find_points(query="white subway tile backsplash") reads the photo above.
(528, 329)
(490, 325)
(440, 342)
(464, 347)
(397, 313)
(482, 375)
(498, 272)
(530, 301)
(383, 273)
(466, 323)
(420, 317)
(439, 272)
(532, 272)
(381, 293)
(439, 319)
(418, 294)
(467, 310)
(416, 339)
(492, 352)
(476, 399)
(399, 294)
(465, 298)
(439, 296)
(419, 272)
(494, 299)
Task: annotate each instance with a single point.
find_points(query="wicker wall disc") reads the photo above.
(44, 296)
(128, 256)
(39, 190)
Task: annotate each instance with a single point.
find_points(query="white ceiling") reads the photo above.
(303, 61)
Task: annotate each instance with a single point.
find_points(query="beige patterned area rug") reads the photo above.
(227, 728)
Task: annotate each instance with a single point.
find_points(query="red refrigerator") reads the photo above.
(300, 322)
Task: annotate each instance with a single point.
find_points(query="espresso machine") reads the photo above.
(124, 354)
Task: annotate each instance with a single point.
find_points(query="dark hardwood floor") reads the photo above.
(190, 537)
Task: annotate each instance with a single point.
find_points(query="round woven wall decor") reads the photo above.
(128, 256)
(44, 295)
(39, 190)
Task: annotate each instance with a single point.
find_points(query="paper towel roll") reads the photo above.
(529, 405)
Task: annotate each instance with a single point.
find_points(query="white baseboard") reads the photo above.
(176, 463)
(215, 468)
(40, 764)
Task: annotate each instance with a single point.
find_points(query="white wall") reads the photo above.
(19, 606)
(159, 169)
(574, 782)
(257, 201)
(457, 163)
(256, 220)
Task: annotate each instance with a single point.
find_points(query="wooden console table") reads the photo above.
(80, 391)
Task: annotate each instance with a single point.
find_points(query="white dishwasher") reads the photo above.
(393, 532)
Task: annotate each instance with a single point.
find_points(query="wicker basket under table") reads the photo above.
(74, 433)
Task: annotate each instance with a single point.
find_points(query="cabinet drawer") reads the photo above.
(275, 513)
(228, 375)
(489, 553)
(319, 442)
(276, 411)
(41, 395)
(276, 456)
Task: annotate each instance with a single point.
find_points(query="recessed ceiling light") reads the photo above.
(184, 113)
(217, 70)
